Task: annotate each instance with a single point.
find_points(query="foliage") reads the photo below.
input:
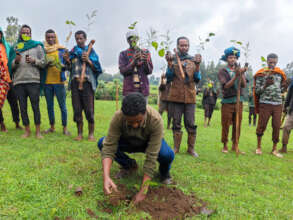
(90, 19)
(107, 90)
(12, 29)
(203, 42)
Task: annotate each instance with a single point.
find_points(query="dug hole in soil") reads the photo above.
(162, 203)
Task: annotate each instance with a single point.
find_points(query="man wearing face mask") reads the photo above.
(5, 61)
(26, 71)
(269, 84)
(137, 127)
(83, 99)
(135, 64)
(182, 93)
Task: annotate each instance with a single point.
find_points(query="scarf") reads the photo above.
(260, 73)
(52, 48)
(77, 51)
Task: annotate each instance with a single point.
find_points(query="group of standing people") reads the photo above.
(34, 68)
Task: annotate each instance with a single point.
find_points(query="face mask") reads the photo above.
(25, 37)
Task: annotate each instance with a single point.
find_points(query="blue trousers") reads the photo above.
(59, 90)
(165, 157)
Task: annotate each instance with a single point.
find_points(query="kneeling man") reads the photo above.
(135, 128)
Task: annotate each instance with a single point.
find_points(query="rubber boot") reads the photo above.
(177, 136)
(284, 149)
(191, 142)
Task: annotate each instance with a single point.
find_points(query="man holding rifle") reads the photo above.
(269, 83)
(229, 78)
(183, 72)
(84, 66)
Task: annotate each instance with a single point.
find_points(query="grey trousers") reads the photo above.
(187, 110)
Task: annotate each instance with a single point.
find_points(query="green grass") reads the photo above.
(38, 177)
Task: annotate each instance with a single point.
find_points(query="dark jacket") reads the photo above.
(225, 77)
(209, 96)
(289, 100)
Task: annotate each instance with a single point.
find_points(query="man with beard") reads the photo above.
(182, 94)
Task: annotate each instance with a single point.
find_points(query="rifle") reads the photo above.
(80, 86)
(238, 109)
(179, 63)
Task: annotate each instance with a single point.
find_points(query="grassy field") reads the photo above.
(38, 177)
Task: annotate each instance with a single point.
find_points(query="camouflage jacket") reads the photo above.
(271, 94)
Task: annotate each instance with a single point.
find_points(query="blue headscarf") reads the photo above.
(230, 51)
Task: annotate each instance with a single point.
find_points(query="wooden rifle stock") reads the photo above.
(179, 63)
(238, 109)
(80, 86)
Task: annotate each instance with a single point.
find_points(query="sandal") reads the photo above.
(275, 153)
(258, 151)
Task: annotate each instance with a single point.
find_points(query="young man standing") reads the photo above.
(251, 109)
(182, 94)
(6, 54)
(163, 98)
(136, 128)
(229, 77)
(83, 99)
(26, 71)
(269, 83)
(135, 64)
(54, 80)
(209, 100)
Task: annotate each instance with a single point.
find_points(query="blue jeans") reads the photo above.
(60, 92)
(165, 157)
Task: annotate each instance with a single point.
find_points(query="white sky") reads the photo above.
(266, 24)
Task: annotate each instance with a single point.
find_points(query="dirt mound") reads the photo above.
(161, 203)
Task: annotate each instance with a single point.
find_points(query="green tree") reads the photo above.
(12, 30)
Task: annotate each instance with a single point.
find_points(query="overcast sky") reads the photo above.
(266, 24)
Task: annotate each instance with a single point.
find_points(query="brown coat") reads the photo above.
(180, 91)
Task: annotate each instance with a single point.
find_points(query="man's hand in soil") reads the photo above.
(109, 186)
(141, 195)
(269, 81)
